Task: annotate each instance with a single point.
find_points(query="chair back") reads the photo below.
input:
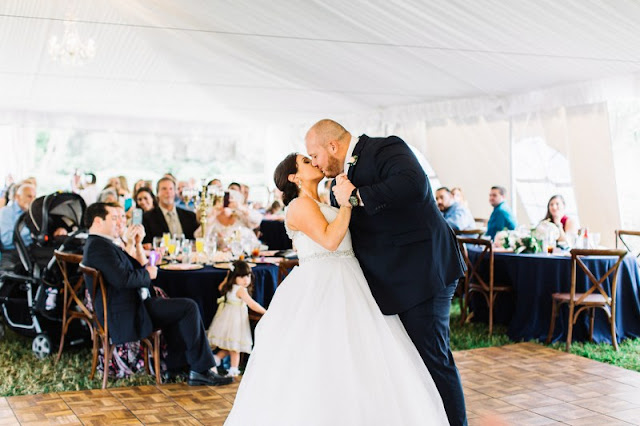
(595, 283)
(73, 293)
(472, 276)
(284, 267)
(97, 285)
(481, 221)
(623, 235)
(469, 233)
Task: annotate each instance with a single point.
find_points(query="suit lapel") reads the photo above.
(356, 152)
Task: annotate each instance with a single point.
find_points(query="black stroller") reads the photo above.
(30, 295)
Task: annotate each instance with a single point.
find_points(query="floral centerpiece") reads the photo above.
(519, 241)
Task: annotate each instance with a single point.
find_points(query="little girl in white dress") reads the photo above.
(230, 330)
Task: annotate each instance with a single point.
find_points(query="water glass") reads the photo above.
(186, 252)
(157, 242)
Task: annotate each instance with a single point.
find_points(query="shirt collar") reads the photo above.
(165, 211)
(106, 237)
(352, 146)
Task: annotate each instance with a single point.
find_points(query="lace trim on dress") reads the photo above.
(328, 254)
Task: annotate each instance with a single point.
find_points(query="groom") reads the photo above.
(407, 251)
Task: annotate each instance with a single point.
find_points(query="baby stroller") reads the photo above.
(30, 295)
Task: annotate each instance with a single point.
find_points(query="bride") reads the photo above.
(324, 353)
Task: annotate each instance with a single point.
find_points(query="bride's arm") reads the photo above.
(304, 215)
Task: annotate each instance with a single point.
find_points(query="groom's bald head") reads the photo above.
(326, 130)
(327, 144)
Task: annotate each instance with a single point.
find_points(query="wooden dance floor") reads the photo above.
(519, 384)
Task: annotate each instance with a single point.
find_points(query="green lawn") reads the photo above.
(22, 373)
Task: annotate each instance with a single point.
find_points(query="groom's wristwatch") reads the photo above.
(353, 199)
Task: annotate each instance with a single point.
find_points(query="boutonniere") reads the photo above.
(352, 160)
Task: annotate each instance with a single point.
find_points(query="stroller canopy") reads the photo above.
(52, 211)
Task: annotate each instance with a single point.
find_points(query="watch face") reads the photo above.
(353, 201)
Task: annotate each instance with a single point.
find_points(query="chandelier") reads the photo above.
(71, 50)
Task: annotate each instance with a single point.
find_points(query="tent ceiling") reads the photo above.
(226, 61)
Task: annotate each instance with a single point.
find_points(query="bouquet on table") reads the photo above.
(519, 241)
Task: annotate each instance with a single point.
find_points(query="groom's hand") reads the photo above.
(343, 189)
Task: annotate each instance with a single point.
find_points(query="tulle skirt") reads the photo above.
(324, 354)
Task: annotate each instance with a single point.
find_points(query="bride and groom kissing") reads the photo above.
(358, 334)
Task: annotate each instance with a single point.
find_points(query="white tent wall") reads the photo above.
(472, 155)
(593, 169)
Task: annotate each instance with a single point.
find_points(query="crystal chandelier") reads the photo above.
(71, 50)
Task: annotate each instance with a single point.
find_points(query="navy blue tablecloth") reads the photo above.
(201, 285)
(273, 234)
(534, 277)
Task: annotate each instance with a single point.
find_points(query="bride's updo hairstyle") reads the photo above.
(287, 167)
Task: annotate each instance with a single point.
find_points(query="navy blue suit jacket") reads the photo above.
(405, 247)
(128, 318)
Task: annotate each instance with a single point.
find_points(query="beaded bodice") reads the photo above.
(310, 250)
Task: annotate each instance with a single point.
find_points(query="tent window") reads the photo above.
(541, 172)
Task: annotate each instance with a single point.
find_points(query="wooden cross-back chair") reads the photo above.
(73, 307)
(621, 234)
(595, 296)
(474, 282)
(150, 344)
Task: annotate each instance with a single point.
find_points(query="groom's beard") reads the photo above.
(334, 168)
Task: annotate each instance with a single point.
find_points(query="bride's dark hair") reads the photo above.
(286, 167)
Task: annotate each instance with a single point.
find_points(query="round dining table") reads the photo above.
(201, 285)
(535, 277)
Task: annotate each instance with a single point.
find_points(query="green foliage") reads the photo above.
(22, 373)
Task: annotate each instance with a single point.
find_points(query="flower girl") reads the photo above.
(230, 330)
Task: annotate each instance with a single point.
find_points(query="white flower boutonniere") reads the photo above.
(352, 160)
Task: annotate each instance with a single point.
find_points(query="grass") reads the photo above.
(23, 374)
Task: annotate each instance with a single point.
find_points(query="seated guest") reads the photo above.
(132, 313)
(501, 217)
(140, 184)
(85, 185)
(274, 212)
(9, 216)
(457, 216)
(145, 199)
(167, 217)
(556, 215)
(235, 186)
(458, 196)
(215, 182)
(180, 200)
(108, 195)
(228, 223)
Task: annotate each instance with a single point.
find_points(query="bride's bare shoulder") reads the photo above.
(299, 209)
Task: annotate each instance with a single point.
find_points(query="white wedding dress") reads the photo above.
(325, 354)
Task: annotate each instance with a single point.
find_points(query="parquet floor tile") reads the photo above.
(41, 409)
(519, 384)
(563, 412)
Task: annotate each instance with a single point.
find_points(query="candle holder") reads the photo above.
(203, 199)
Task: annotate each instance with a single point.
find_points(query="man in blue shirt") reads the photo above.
(457, 216)
(8, 217)
(501, 217)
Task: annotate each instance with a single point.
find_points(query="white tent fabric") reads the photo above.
(215, 61)
(461, 81)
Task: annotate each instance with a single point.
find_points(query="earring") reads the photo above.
(299, 185)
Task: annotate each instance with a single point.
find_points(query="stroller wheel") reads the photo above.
(41, 346)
